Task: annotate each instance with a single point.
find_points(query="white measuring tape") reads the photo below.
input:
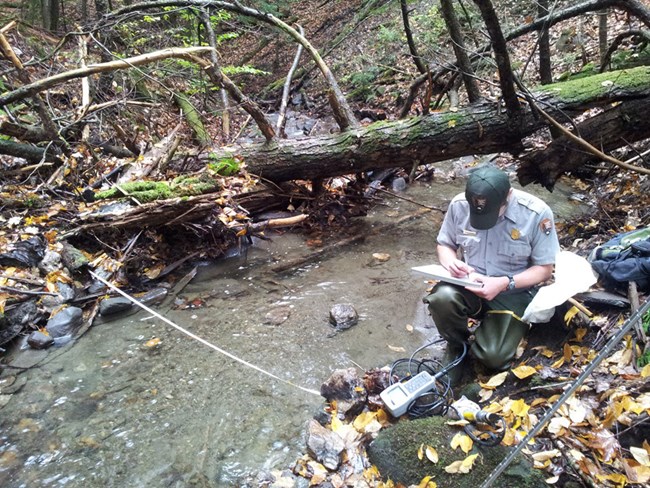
(197, 338)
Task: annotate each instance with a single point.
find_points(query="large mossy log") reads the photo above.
(483, 128)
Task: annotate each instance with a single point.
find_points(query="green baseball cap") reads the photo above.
(487, 189)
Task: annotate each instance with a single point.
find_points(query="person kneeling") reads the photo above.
(505, 239)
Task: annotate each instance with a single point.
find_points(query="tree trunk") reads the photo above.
(616, 127)
(462, 58)
(480, 129)
(545, 71)
(501, 56)
(602, 38)
(419, 64)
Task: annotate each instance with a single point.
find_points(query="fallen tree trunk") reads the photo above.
(620, 125)
(480, 129)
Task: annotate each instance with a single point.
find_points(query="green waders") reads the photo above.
(501, 329)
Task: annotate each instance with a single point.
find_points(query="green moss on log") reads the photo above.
(599, 86)
(150, 191)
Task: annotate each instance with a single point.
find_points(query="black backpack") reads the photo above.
(624, 258)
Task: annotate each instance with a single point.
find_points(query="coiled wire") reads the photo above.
(437, 400)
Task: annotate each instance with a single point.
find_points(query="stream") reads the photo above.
(135, 403)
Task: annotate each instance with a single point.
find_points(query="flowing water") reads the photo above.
(115, 410)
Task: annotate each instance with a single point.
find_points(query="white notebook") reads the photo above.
(437, 272)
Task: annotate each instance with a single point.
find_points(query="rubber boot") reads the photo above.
(452, 353)
(497, 339)
(450, 306)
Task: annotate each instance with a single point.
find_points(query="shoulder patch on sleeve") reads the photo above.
(546, 226)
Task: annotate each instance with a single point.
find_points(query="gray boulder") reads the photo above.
(343, 316)
(65, 322)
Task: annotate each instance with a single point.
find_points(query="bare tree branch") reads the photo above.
(342, 112)
(217, 76)
(287, 87)
(633, 7)
(46, 83)
(644, 34)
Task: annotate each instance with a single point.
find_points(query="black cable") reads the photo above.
(438, 400)
(435, 401)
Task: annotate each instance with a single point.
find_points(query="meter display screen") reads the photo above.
(398, 395)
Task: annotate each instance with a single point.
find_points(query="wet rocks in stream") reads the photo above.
(39, 340)
(64, 324)
(346, 388)
(343, 316)
(111, 306)
(277, 315)
(324, 445)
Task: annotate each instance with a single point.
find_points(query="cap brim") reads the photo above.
(484, 220)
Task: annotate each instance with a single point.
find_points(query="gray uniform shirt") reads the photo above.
(522, 237)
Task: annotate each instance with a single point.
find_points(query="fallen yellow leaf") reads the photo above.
(363, 419)
(463, 441)
(320, 473)
(546, 455)
(427, 483)
(485, 395)
(645, 372)
(641, 455)
(524, 371)
(336, 425)
(495, 381)
(464, 466)
(642, 474)
(152, 342)
(519, 407)
(580, 334)
(571, 313)
(432, 454)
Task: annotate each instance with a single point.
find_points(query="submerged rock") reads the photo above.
(343, 316)
(277, 316)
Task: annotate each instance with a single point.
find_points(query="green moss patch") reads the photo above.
(395, 453)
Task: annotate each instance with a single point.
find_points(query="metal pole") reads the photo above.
(565, 396)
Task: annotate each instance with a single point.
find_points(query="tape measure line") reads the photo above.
(199, 339)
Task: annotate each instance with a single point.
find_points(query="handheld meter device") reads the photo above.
(398, 397)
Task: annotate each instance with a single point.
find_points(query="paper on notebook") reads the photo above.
(437, 272)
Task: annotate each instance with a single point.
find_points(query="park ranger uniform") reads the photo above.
(522, 237)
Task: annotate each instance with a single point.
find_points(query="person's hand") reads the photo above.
(459, 269)
(492, 286)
